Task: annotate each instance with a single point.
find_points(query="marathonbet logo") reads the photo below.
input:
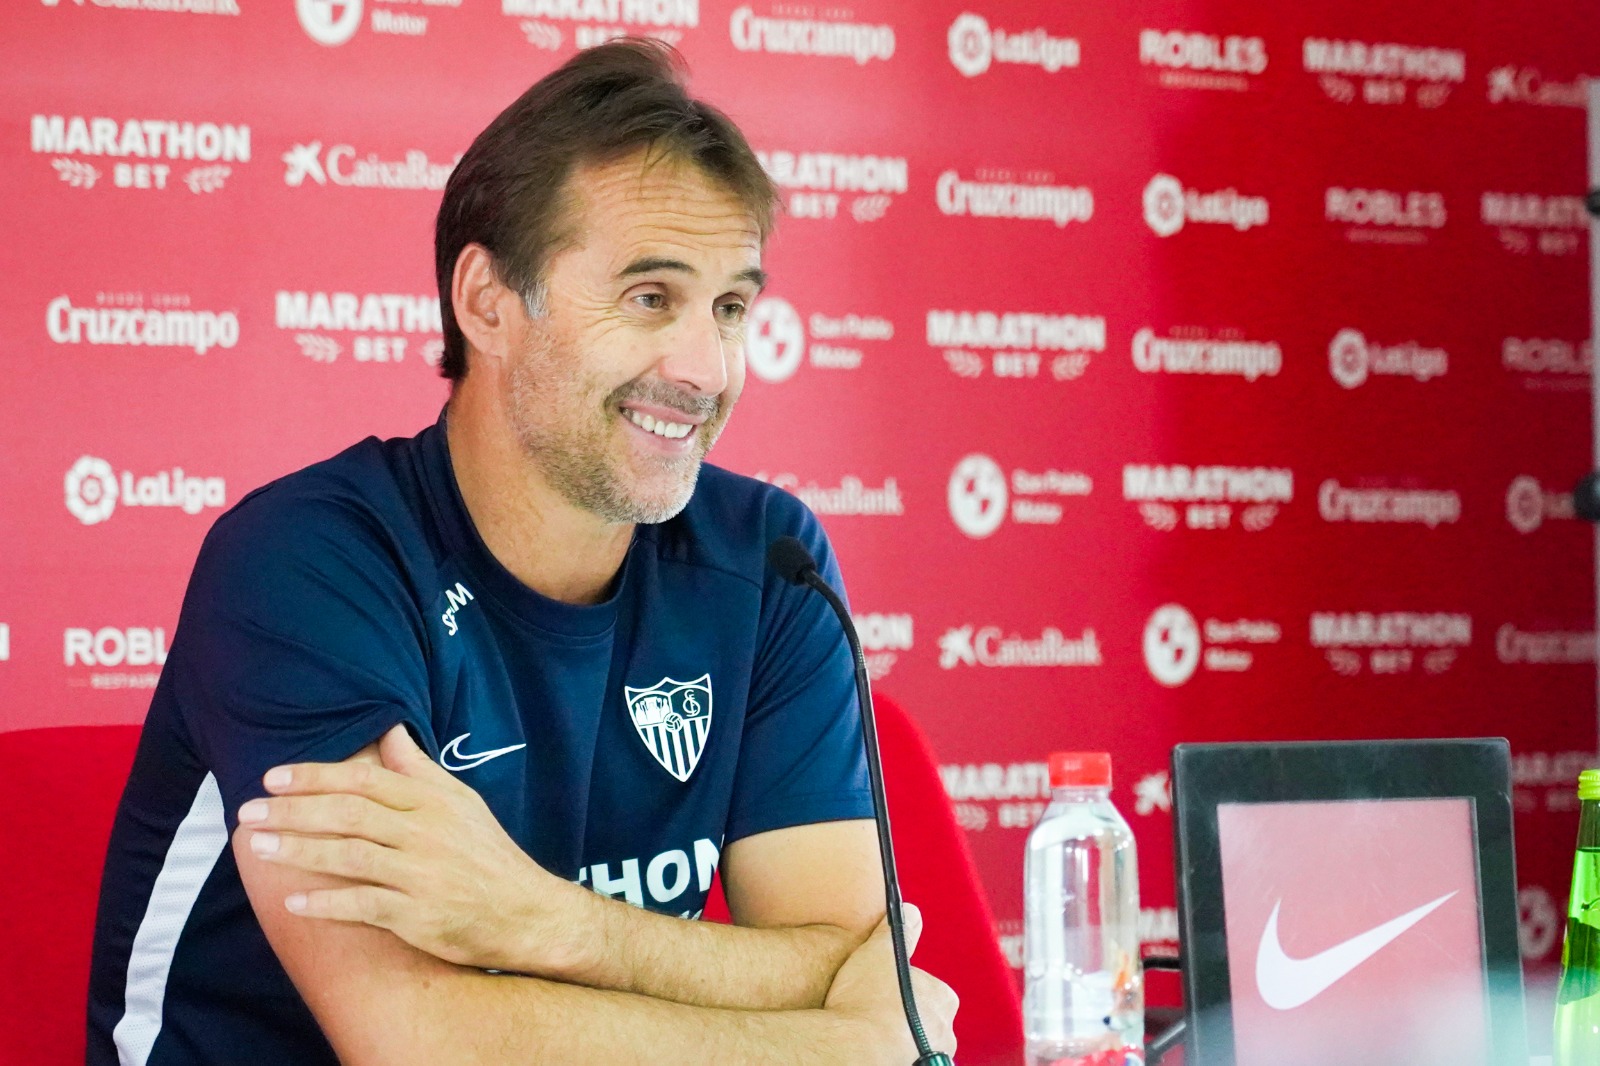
(1169, 206)
(975, 46)
(884, 637)
(776, 339)
(827, 185)
(1528, 222)
(1207, 497)
(94, 490)
(1391, 642)
(1016, 344)
(547, 23)
(383, 325)
(1382, 73)
(1175, 645)
(150, 154)
(980, 495)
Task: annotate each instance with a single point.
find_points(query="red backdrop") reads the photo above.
(1212, 372)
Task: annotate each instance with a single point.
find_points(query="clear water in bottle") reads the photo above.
(1083, 997)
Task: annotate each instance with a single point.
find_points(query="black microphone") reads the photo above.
(794, 564)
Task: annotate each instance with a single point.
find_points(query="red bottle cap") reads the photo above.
(1080, 769)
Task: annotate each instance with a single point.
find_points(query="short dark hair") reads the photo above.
(601, 105)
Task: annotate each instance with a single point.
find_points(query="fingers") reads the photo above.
(357, 777)
(349, 858)
(367, 904)
(937, 1003)
(338, 814)
(911, 919)
(401, 754)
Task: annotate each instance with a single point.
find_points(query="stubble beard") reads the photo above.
(576, 457)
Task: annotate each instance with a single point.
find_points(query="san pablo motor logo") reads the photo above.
(673, 718)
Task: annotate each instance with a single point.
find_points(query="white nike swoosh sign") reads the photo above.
(1287, 983)
(453, 758)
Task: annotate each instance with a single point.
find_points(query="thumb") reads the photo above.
(401, 754)
(911, 919)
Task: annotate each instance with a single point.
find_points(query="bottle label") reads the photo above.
(1126, 1056)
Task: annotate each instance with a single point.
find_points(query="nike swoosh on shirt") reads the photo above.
(452, 751)
(1287, 983)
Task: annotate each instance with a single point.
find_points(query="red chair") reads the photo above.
(937, 874)
(59, 789)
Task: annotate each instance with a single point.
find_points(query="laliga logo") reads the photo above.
(91, 490)
(1163, 205)
(1525, 504)
(776, 341)
(977, 496)
(329, 22)
(1347, 358)
(971, 45)
(1171, 645)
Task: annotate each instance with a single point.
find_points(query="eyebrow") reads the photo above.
(651, 264)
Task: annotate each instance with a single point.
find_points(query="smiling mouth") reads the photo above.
(660, 427)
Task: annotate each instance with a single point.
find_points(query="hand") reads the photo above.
(867, 990)
(429, 861)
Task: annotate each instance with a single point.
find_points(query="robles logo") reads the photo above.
(93, 490)
(974, 46)
(1352, 359)
(1018, 343)
(1549, 364)
(978, 493)
(1168, 206)
(1385, 216)
(1202, 60)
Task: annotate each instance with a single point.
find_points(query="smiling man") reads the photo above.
(456, 729)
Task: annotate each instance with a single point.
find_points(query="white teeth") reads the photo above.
(669, 430)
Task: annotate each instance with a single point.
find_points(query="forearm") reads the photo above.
(709, 964)
(468, 1017)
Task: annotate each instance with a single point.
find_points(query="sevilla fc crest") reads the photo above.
(673, 718)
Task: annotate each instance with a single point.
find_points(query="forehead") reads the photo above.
(637, 206)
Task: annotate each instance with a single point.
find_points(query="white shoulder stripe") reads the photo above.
(195, 847)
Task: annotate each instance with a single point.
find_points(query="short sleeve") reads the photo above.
(298, 640)
(801, 759)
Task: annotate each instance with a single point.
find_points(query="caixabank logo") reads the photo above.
(1170, 206)
(980, 495)
(975, 46)
(836, 185)
(1383, 73)
(308, 165)
(779, 341)
(379, 327)
(95, 490)
(150, 154)
(1513, 84)
(846, 495)
(992, 647)
(1176, 645)
(1016, 344)
(552, 24)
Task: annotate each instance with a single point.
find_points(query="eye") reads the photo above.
(731, 311)
(655, 301)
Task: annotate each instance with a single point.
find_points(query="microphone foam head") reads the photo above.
(790, 559)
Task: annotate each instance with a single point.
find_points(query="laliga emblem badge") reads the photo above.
(673, 718)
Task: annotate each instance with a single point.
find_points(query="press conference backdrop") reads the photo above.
(1194, 372)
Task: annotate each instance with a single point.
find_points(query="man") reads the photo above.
(433, 701)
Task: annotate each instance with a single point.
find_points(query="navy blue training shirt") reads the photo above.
(622, 745)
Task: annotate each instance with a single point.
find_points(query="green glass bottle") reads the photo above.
(1578, 998)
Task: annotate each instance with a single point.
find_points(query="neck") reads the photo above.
(555, 548)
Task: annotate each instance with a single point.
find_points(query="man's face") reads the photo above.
(618, 392)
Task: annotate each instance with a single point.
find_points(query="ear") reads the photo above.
(484, 306)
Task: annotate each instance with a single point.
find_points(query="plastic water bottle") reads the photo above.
(1577, 1040)
(1083, 1000)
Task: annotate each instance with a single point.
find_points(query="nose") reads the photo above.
(698, 357)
